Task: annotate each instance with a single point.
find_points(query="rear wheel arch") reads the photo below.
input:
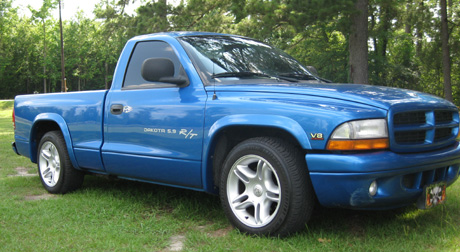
(45, 123)
(39, 129)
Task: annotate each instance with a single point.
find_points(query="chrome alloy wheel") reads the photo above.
(49, 164)
(253, 191)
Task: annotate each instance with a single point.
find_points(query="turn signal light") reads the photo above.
(362, 144)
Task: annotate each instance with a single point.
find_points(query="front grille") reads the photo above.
(423, 129)
(441, 134)
(442, 116)
(409, 118)
(412, 137)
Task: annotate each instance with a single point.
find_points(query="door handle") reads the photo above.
(116, 109)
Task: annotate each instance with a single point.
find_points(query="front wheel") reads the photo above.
(54, 167)
(265, 188)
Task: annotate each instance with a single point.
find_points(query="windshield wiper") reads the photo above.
(299, 76)
(251, 74)
(304, 77)
(239, 74)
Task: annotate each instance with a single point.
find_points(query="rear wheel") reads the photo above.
(265, 188)
(54, 167)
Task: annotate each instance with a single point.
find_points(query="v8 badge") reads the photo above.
(316, 136)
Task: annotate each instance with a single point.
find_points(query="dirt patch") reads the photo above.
(23, 172)
(217, 233)
(221, 232)
(39, 197)
(176, 243)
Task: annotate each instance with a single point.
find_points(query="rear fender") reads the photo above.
(59, 120)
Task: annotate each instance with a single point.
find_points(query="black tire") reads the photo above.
(265, 188)
(56, 172)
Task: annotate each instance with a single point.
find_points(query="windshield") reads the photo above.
(237, 60)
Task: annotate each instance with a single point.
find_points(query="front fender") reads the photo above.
(273, 121)
(59, 120)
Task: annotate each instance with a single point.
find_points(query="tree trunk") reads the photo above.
(164, 15)
(44, 57)
(419, 33)
(358, 59)
(63, 80)
(105, 75)
(407, 26)
(445, 52)
(386, 19)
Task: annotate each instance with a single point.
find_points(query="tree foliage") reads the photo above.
(404, 45)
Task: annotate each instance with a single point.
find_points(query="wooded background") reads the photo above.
(413, 44)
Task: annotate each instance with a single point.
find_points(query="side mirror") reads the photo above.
(160, 70)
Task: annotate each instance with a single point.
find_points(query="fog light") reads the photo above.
(373, 188)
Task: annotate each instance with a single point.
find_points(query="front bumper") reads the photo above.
(343, 180)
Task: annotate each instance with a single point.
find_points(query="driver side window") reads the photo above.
(142, 52)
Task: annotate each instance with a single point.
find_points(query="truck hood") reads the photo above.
(377, 96)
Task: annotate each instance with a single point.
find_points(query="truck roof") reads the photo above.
(179, 34)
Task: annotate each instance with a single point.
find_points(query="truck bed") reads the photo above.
(80, 113)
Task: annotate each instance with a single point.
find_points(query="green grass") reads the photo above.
(118, 215)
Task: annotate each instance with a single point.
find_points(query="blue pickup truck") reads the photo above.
(232, 116)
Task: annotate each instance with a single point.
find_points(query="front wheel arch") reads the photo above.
(227, 138)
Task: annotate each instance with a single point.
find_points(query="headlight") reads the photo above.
(360, 135)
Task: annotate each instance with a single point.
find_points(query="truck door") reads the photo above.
(154, 131)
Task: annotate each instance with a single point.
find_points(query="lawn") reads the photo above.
(117, 215)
